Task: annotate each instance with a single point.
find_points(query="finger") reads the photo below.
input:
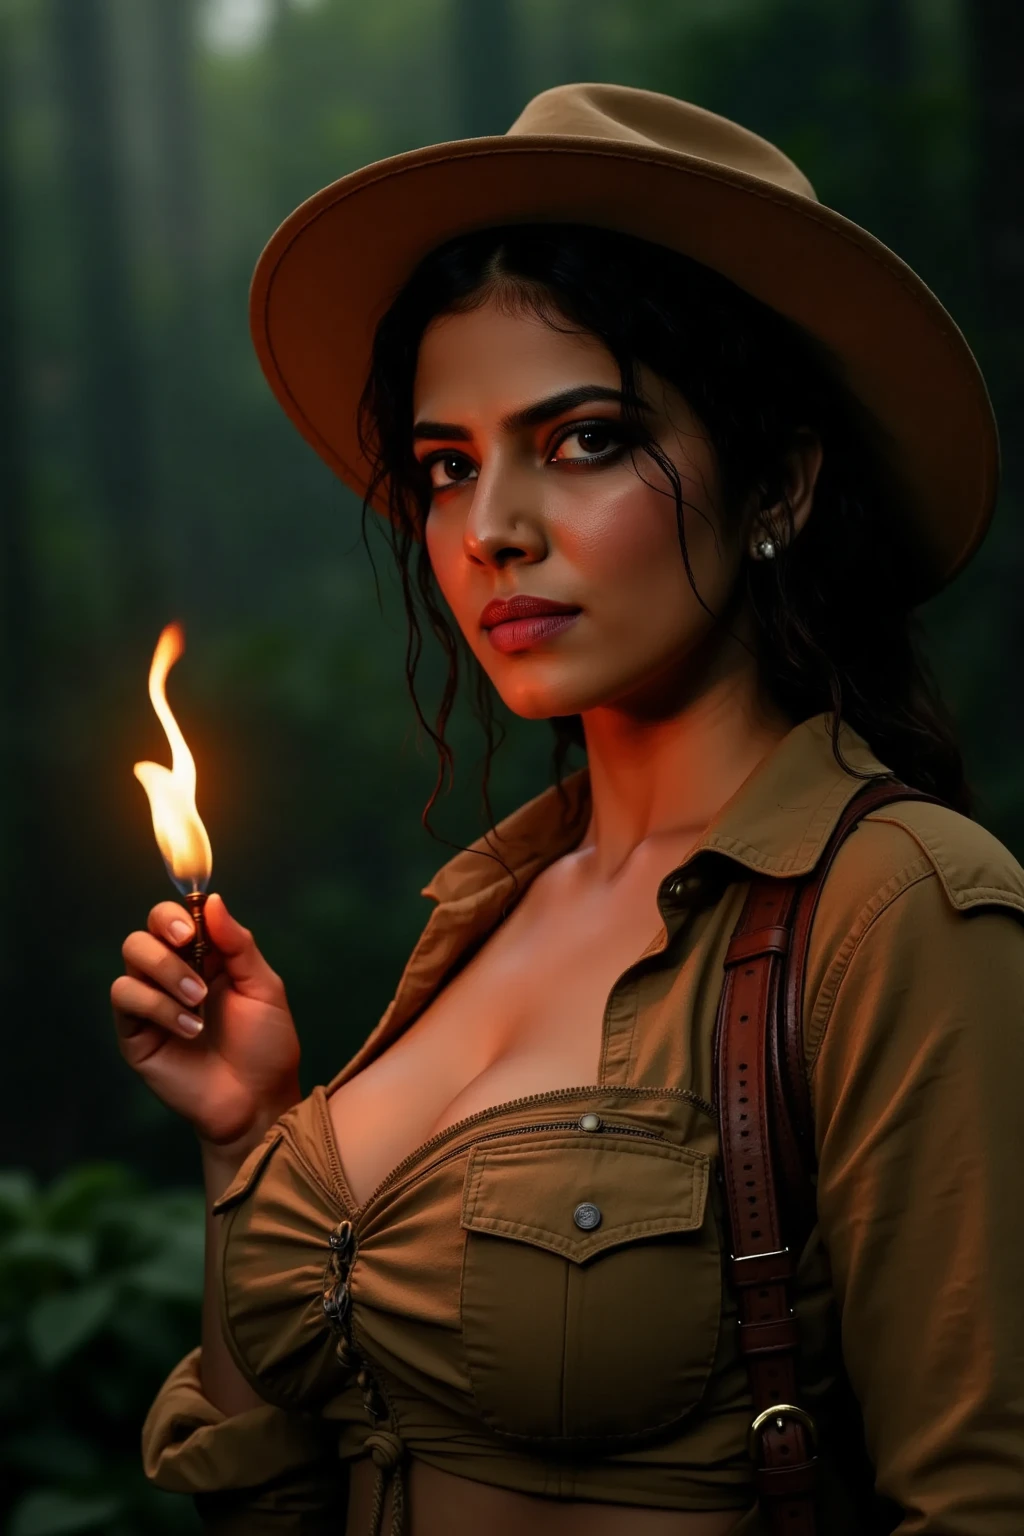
(172, 922)
(137, 1041)
(140, 1009)
(246, 968)
(151, 958)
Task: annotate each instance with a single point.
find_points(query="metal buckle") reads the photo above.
(780, 1411)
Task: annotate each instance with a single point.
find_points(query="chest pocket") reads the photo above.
(591, 1285)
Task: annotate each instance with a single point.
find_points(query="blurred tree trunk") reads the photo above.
(185, 342)
(889, 65)
(998, 37)
(18, 589)
(112, 387)
(23, 854)
(174, 28)
(486, 76)
(887, 33)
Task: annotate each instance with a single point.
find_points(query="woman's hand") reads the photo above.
(234, 1076)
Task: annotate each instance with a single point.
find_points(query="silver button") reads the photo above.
(684, 885)
(590, 1121)
(587, 1216)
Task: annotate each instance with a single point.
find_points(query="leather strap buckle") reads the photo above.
(779, 1411)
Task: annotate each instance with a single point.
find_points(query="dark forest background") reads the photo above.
(148, 149)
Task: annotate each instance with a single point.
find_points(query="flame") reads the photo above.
(180, 834)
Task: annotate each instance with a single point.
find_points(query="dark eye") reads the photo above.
(452, 467)
(594, 439)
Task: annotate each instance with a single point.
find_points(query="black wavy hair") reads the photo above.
(835, 627)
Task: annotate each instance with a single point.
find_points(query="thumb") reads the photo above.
(245, 967)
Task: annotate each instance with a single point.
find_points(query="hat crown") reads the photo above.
(675, 175)
(628, 115)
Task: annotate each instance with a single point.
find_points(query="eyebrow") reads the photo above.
(533, 415)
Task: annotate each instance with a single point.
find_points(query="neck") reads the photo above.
(658, 779)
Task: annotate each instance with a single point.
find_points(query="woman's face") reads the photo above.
(535, 495)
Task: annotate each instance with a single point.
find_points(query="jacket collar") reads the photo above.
(776, 823)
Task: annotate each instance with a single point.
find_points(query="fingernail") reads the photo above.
(191, 989)
(180, 930)
(190, 1025)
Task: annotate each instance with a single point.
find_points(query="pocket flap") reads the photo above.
(579, 1196)
(249, 1172)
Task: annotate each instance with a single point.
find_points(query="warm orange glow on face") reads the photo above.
(180, 834)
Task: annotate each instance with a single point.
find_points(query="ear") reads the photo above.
(782, 520)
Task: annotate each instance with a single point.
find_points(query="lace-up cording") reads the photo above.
(388, 1452)
(385, 1445)
(341, 1256)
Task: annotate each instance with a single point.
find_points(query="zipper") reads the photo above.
(551, 1125)
(344, 1246)
(460, 1126)
(570, 1125)
(553, 1096)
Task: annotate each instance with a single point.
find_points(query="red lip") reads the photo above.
(500, 611)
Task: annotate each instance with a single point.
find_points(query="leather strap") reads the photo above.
(794, 1123)
(767, 1143)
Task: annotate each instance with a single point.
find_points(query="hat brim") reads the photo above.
(331, 270)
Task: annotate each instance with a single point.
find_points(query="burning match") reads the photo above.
(180, 834)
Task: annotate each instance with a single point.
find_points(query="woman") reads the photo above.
(679, 450)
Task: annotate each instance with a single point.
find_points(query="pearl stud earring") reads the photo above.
(764, 549)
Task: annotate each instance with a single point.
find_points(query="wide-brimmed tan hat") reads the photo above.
(667, 171)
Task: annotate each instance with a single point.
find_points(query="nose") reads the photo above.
(504, 525)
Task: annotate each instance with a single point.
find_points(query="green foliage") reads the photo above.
(100, 1288)
(311, 770)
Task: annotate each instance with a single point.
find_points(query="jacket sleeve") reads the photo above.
(265, 1472)
(918, 1084)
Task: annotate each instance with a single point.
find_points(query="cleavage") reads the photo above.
(525, 1016)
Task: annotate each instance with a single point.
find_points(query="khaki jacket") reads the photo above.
(480, 1325)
